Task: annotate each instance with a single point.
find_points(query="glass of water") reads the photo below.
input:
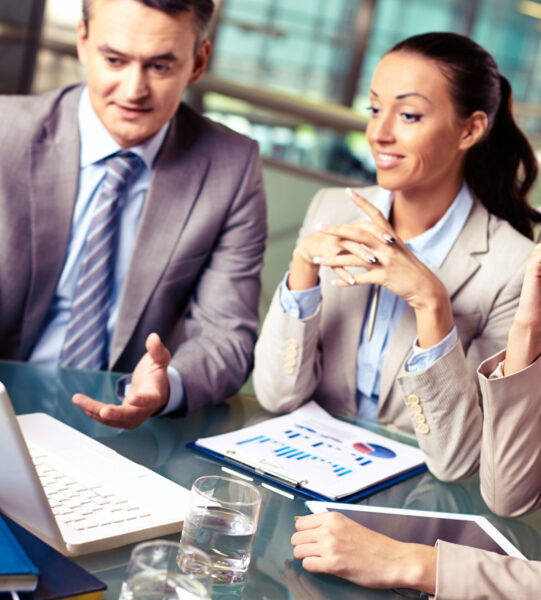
(160, 570)
(222, 521)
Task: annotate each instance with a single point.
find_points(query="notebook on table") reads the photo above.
(60, 578)
(17, 571)
(77, 494)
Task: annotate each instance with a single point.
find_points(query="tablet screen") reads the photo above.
(425, 529)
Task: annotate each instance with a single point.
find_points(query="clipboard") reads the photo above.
(308, 452)
(290, 485)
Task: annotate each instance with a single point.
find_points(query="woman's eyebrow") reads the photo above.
(402, 96)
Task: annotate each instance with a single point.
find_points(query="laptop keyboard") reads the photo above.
(78, 505)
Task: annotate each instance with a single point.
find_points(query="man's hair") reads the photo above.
(202, 11)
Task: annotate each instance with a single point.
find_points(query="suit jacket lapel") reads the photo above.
(461, 263)
(455, 271)
(54, 175)
(352, 305)
(175, 186)
(397, 352)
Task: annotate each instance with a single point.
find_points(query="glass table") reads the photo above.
(160, 444)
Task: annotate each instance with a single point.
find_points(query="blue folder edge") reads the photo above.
(16, 561)
(302, 491)
(60, 576)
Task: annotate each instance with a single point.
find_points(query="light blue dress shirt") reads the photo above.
(97, 145)
(431, 248)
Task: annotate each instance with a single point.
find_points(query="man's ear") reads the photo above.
(474, 129)
(201, 60)
(82, 41)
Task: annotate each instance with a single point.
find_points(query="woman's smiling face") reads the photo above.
(415, 134)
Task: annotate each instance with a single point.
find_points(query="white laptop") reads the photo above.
(75, 493)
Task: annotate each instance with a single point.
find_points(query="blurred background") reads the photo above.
(294, 75)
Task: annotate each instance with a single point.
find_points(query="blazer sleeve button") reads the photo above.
(413, 399)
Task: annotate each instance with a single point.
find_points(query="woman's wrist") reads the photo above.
(303, 273)
(418, 570)
(434, 316)
(523, 346)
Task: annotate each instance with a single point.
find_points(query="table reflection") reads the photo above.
(160, 444)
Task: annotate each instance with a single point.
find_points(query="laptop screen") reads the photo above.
(21, 495)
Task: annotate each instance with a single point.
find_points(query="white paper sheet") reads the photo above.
(325, 455)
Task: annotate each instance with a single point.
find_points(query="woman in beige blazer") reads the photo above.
(510, 484)
(453, 173)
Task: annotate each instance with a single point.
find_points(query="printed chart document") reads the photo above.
(317, 454)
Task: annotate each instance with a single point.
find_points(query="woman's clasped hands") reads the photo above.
(385, 259)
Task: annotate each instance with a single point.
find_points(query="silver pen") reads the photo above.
(373, 311)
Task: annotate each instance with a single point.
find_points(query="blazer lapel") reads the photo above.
(54, 175)
(455, 271)
(397, 352)
(461, 263)
(175, 186)
(352, 304)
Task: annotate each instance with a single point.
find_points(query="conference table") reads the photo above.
(160, 444)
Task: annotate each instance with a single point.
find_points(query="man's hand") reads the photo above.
(147, 394)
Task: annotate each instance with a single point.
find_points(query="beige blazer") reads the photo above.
(465, 573)
(316, 357)
(194, 273)
(510, 484)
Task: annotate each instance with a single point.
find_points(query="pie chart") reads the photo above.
(374, 450)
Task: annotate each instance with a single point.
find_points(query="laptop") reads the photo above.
(75, 493)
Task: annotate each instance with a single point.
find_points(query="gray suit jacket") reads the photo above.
(510, 484)
(316, 357)
(194, 273)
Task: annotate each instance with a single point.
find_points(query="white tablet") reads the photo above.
(425, 527)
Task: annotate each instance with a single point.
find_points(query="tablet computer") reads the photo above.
(425, 527)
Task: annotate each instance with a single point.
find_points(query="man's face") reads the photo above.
(139, 61)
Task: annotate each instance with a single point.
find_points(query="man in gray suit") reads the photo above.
(187, 238)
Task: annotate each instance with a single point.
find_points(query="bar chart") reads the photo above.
(302, 443)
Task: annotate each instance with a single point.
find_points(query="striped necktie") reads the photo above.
(85, 345)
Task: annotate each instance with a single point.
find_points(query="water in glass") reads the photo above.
(225, 535)
(159, 585)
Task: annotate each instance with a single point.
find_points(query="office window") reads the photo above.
(514, 39)
(296, 47)
(20, 24)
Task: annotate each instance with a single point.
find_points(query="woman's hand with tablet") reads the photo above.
(332, 543)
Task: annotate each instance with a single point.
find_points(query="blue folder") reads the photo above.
(17, 572)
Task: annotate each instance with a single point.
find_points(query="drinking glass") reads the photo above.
(161, 570)
(222, 521)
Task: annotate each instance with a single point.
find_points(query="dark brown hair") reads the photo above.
(201, 9)
(502, 167)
